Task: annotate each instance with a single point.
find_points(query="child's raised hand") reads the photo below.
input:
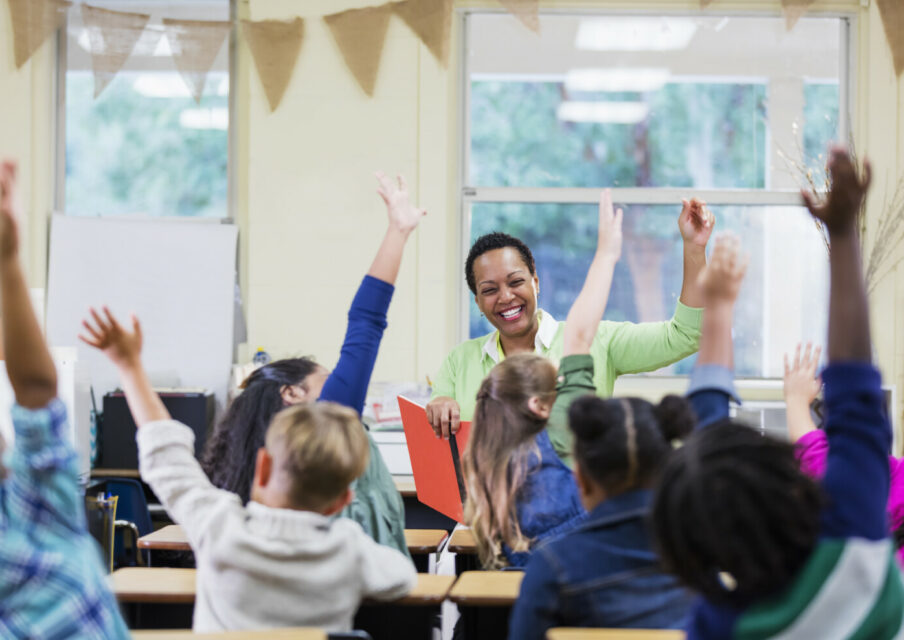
(403, 216)
(801, 381)
(609, 235)
(9, 209)
(122, 347)
(721, 280)
(840, 209)
(696, 222)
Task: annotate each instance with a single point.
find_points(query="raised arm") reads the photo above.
(28, 362)
(849, 333)
(587, 310)
(347, 384)
(696, 224)
(712, 384)
(44, 474)
(857, 429)
(123, 348)
(403, 219)
(801, 387)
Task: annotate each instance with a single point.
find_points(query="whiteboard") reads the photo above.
(177, 276)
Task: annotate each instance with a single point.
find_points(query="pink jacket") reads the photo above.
(813, 450)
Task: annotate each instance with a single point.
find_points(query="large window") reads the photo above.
(735, 110)
(144, 146)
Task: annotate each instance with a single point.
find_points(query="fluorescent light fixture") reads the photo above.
(161, 85)
(624, 79)
(603, 112)
(635, 34)
(216, 118)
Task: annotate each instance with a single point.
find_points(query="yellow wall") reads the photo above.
(305, 200)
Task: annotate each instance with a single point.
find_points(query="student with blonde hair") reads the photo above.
(282, 559)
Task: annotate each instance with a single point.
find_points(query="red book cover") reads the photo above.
(436, 463)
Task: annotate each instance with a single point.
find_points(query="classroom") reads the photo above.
(451, 319)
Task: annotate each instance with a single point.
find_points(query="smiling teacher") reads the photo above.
(501, 274)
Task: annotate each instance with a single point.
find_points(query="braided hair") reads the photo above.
(733, 515)
(620, 444)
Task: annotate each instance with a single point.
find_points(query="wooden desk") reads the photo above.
(271, 634)
(464, 547)
(462, 541)
(421, 541)
(487, 588)
(614, 634)
(484, 599)
(163, 585)
(405, 486)
(169, 538)
(411, 617)
(154, 585)
(430, 590)
(172, 538)
(115, 473)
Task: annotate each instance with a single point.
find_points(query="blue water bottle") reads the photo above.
(261, 357)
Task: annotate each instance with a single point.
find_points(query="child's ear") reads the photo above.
(539, 407)
(293, 394)
(340, 503)
(263, 468)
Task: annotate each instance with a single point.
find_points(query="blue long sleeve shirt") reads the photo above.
(377, 505)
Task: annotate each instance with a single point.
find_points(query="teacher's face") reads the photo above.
(506, 291)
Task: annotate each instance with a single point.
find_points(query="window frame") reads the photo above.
(59, 129)
(469, 195)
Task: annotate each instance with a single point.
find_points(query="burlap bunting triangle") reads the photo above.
(34, 21)
(195, 45)
(360, 35)
(431, 20)
(892, 12)
(705, 3)
(794, 11)
(275, 45)
(527, 11)
(113, 36)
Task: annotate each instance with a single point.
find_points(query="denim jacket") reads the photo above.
(548, 503)
(602, 574)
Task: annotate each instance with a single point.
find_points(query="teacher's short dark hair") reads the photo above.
(490, 242)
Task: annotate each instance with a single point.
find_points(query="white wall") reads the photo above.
(314, 220)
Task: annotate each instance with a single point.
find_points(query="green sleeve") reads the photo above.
(444, 382)
(635, 348)
(575, 380)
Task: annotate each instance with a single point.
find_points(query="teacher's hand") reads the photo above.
(444, 416)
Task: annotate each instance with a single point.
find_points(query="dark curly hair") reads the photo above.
(489, 242)
(229, 456)
(733, 516)
(621, 443)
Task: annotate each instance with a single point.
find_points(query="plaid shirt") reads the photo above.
(52, 581)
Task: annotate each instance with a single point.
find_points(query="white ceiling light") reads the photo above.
(616, 79)
(217, 118)
(161, 85)
(635, 34)
(603, 112)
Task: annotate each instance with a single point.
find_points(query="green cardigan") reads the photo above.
(618, 348)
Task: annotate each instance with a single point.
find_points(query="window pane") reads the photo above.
(784, 296)
(144, 146)
(649, 101)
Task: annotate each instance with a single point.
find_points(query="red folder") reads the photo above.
(436, 463)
